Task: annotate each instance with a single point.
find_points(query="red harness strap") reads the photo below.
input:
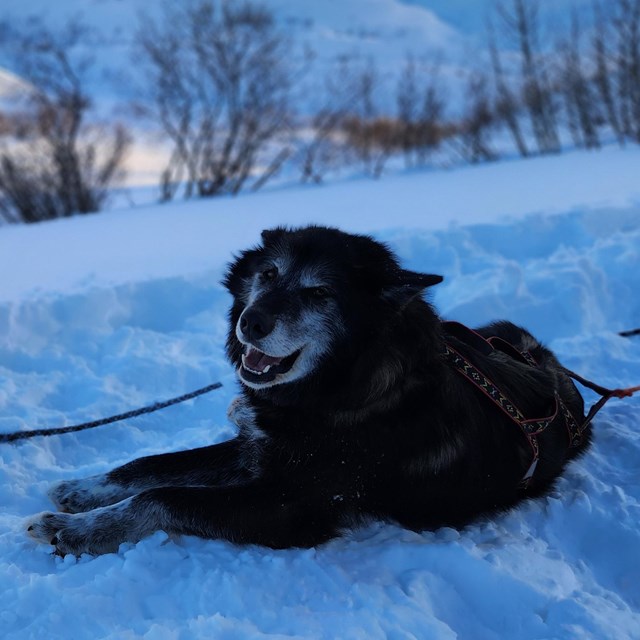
(531, 427)
(606, 394)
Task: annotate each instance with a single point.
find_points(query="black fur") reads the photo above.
(382, 429)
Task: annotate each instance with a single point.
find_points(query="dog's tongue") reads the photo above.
(258, 361)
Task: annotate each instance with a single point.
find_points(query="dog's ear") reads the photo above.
(406, 278)
(241, 270)
(271, 236)
(402, 285)
(243, 267)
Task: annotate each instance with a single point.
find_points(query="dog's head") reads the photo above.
(307, 293)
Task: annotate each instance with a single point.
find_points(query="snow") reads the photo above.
(449, 35)
(472, 18)
(153, 242)
(380, 30)
(101, 314)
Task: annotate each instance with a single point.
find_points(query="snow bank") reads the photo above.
(105, 313)
(152, 242)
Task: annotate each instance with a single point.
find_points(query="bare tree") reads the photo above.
(478, 121)
(420, 107)
(604, 64)
(57, 162)
(616, 59)
(321, 150)
(520, 19)
(576, 89)
(367, 131)
(322, 142)
(430, 128)
(219, 82)
(627, 29)
(507, 106)
(408, 104)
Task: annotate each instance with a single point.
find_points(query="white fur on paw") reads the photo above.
(44, 526)
(99, 531)
(243, 415)
(65, 533)
(94, 532)
(239, 411)
(60, 531)
(79, 496)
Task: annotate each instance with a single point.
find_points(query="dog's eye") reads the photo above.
(319, 292)
(269, 274)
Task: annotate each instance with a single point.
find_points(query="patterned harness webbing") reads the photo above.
(530, 427)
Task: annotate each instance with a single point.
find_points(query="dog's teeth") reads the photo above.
(250, 370)
(267, 368)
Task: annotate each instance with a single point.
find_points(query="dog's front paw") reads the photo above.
(79, 496)
(99, 531)
(58, 529)
(70, 496)
(242, 414)
(43, 527)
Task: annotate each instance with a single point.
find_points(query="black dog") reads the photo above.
(358, 403)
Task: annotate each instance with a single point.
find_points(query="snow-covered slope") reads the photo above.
(470, 17)
(450, 34)
(104, 313)
(157, 241)
(381, 30)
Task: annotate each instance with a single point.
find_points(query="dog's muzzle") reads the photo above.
(259, 368)
(256, 324)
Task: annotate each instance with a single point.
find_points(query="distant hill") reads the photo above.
(381, 30)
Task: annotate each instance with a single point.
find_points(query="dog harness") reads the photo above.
(530, 427)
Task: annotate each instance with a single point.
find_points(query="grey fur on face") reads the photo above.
(301, 327)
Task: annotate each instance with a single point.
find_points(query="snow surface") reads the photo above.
(100, 314)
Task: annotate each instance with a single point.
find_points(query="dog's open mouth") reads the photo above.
(258, 367)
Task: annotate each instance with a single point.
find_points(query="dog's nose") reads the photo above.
(256, 324)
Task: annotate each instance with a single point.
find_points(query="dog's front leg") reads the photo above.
(101, 530)
(220, 464)
(268, 514)
(250, 514)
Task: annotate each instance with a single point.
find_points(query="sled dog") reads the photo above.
(357, 404)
